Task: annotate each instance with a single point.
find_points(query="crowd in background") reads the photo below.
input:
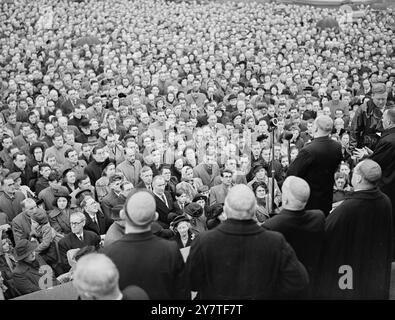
(101, 98)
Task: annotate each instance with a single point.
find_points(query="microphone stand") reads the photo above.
(272, 127)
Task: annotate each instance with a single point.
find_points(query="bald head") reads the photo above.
(366, 173)
(139, 209)
(95, 275)
(296, 193)
(323, 125)
(240, 203)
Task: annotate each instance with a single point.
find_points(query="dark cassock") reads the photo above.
(384, 155)
(317, 163)
(358, 238)
(304, 231)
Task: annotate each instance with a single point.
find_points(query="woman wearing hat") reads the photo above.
(262, 198)
(182, 229)
(59, 217)
(196, 212)
(102, 185)
(260, 175)
(69, 180)
(215, 215)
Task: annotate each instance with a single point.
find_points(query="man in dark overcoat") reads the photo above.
(143, 259)
(356, 258)
(303, 229)
(384, 155)
(240, 260)
(317, 163)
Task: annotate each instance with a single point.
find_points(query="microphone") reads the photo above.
(273, 122)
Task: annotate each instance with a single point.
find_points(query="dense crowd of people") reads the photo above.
(141, 128)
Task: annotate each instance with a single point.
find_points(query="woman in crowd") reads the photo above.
(341, 187)
(216, 216)
(182, 231)
(59, 217)
(102, 185)
(262, 198)
(69, 180)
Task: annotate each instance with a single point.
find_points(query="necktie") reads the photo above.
(81, 238)
(164, 200)
(95, 220)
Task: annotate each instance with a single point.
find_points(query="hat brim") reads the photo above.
(31, 248)
(81, 192)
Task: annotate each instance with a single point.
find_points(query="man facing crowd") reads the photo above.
(317, 163)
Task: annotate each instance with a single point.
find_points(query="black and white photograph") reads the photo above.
(183, 153)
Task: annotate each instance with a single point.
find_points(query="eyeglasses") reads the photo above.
(75, 223)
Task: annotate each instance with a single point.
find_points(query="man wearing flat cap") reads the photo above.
(358, 235)
(366, 123)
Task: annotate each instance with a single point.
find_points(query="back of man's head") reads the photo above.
(296, 193)
(369, 172)
(240, 203)
(139, 211)
(96, 277)
(324, 125)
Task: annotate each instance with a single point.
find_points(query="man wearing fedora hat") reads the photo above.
(31, 269)
(143, 259)
(117, 229)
